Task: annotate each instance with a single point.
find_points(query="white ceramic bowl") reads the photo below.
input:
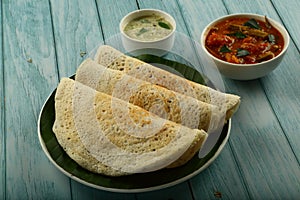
(157, 47)
(247, 71)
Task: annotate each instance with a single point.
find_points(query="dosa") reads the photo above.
(95, 131)
(114, 59)
(165, 103)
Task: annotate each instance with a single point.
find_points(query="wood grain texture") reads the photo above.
(254, 156)
(30, 75)
(2, 124)
(76, 31)
(112, 13)
(180, 191)
(283, 132)
(282, 87)
(80, 192)
(254, 118)
(262, 149)
(221, 178)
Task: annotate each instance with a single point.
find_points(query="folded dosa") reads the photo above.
(165, 103)
(95, 131)
(114, 59)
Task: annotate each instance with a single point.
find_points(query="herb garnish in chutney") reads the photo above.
(148, 28)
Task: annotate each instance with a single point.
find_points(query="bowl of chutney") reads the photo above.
(148, 31)
(245, 46)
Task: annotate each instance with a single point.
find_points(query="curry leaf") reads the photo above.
(271, 38)
(164, 25)
(224, 49)
(238, 35)
(242, 52)
(252, 23)
(141, 31)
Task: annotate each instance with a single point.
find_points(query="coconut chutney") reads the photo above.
(148, 28)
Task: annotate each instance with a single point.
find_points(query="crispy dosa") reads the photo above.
(114, 59)
(165, 103)
(109, 136)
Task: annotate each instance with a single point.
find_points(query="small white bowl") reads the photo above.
(157, 47)
(247, 71)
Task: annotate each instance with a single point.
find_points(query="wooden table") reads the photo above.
(42, 41)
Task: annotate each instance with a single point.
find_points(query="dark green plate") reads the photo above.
(132, 183)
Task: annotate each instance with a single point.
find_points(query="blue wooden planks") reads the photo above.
(192, 12)
(111, 14)
(279, 126)
(76, 30)
(180, 191)
(283, 86)
(2, 124)
(289, 13)
(30, 75)
(255, 151)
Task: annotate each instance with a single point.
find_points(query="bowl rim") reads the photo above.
(171, 20)
(278, 26)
